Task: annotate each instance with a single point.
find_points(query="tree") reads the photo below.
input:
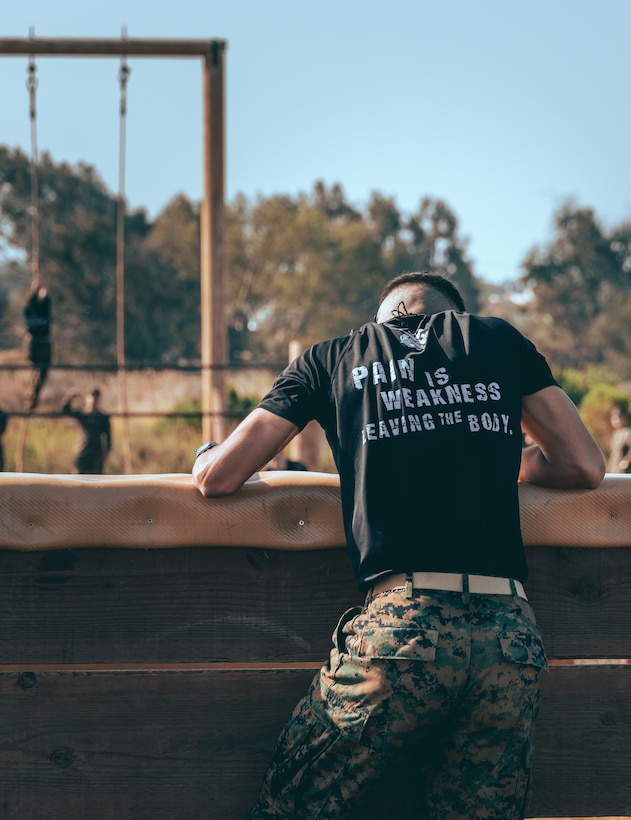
(580, 282)
(78, 262)
(164, 285)
(298, 268)
(313, 266)
(304, 267)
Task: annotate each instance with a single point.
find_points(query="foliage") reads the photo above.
(78, 265)
(595, 409)
(190, 419)
(581, 291)
(578, 383)
(191, 411)
(312, 267)
(240, 405)
(299, 267)
(303, 267)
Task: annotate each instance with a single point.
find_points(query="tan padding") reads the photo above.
(281, 510)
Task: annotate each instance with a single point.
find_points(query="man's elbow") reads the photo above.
(215, 483)
(213, 489)
(589, 475)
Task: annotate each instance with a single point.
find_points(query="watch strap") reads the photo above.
(208, 446)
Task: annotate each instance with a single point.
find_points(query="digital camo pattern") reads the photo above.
(427, 694)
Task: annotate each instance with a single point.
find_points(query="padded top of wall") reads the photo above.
(282, 510)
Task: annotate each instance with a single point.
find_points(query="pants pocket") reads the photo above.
(523, 647)
(398, 642)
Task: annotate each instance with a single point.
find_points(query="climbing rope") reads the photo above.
(31, 84)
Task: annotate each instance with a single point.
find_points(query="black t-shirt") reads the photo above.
(422, 414)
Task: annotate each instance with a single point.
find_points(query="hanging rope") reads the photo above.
(123, 78)
(31, 84)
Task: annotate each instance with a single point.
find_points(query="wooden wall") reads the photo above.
(154, 683)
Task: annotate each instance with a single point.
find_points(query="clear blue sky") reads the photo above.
(504, 109)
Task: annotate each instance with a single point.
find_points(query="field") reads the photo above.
(157, 445)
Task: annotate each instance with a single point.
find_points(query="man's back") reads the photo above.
(423, 416)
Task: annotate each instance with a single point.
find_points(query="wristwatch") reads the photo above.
(208, 446)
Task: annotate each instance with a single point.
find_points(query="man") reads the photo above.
(422, 409)
(620, 455)
(38, 318)
(96, 440)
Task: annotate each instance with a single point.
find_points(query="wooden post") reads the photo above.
(213, 322)
(307, 446)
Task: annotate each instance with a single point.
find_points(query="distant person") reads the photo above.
(620, 446)
(96, 441)
(38, 318)
(281, 462)
(3, 426)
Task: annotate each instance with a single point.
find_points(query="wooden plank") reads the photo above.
(160, 745)
(188, 744)
(580, 597)
(237, 604)
(181, 605)
(583, 766)
(97, 46)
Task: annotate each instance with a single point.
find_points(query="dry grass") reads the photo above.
(50, 444)
(157, 446)
(50, 447)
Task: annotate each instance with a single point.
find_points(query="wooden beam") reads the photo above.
(100, 47)
(162, 744)
(142, 606)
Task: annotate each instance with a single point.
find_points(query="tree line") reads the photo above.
(306, 266)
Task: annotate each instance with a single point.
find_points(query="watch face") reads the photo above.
(204, 447)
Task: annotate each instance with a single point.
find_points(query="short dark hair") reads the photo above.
(428, 279)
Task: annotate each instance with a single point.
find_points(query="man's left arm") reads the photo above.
(565, 454)
(225, 467)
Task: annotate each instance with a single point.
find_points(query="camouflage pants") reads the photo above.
(437, 694)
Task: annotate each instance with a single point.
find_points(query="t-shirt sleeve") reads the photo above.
(301, 392)
(534, 371)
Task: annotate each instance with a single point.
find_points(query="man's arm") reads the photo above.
(565, 454)
(223, 469)
(67, 408)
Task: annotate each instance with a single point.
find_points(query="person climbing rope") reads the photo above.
(38, 318)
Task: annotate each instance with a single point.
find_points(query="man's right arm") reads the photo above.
(67, 408)
(565, 455)
(224, 468)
